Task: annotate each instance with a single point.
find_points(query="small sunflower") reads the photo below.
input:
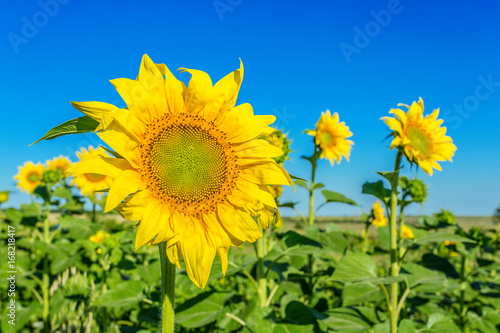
(4, 196)
(407, 233)
(61, 163)
(421, 138)
(29, 176)
(98, 237)
(89, 182)
(379, 219)
(192, 170)
(331, 136)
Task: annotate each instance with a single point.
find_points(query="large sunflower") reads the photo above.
(192, 168)
(89, 182)
(331, 136)
(421, 138)
(29, 176)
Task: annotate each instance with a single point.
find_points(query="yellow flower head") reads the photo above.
(97, 238)
(4, 196)
(407, 233)
(193, 169)
(61, 163)
(421, 138)
(94, 179)
(29, 176)
(331, 136)
(379, 219)
(449, 243)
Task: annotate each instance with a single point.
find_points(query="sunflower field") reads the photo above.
(173, 223)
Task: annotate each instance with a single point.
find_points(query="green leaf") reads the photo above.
(318, 186)
(287, 204)
(358, 293)
(201, 310)
(294, 178)
(406, 326)
(441, 237)
(83, 124)
(378, 190)
(390, 176)
(292, 328)
(423, 279)
(331, 196)
(351, 320)
(63, 192)
(126, 294)
(355, 266)
(302, 183)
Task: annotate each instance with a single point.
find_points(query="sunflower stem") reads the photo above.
(261, 276)
(167, 290)
(46, 271)
(394, 245)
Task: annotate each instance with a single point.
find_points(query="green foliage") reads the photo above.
(83, 124)
(451, 276)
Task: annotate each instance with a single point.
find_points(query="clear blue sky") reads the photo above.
(357, 58)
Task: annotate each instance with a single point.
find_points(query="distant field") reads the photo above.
(355, 223)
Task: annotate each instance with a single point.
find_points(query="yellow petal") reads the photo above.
(125, 183)
(239, 223)
(224, 94)
(149, 225)
(137, 98)
(100, 165)
(257, 148)
(152, 80)
(265, 174)
(174, 90)
(173, 255)
(219, 238)
(98, 111)
(122, 141)
(242, 127)
(260, 194)
(197, 251)
(199, 90)
(133, 207)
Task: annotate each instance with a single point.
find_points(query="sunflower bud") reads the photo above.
(417, 190)
(445, 217)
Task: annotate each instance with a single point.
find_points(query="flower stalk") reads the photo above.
(167, 290)
(394, 253)
(261, 276)
(46, 271)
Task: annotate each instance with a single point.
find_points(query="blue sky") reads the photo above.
(357, 58)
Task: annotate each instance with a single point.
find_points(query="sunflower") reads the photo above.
(192, 168)
(61, 163)
(98, 237)
(421, 138)
(89, 182)
(406, 232)
(331, 136)
(379, 219)
(29, 176)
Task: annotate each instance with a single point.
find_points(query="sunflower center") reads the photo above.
(189, 163)
(326, 137)
(419, 140)
(186, 162)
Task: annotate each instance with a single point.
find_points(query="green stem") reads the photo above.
(394, 245)
(401, 249)
(167, 290)
(462, 289)
(46, 271)
(261, 276)
(93, 213)
(311, 193)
